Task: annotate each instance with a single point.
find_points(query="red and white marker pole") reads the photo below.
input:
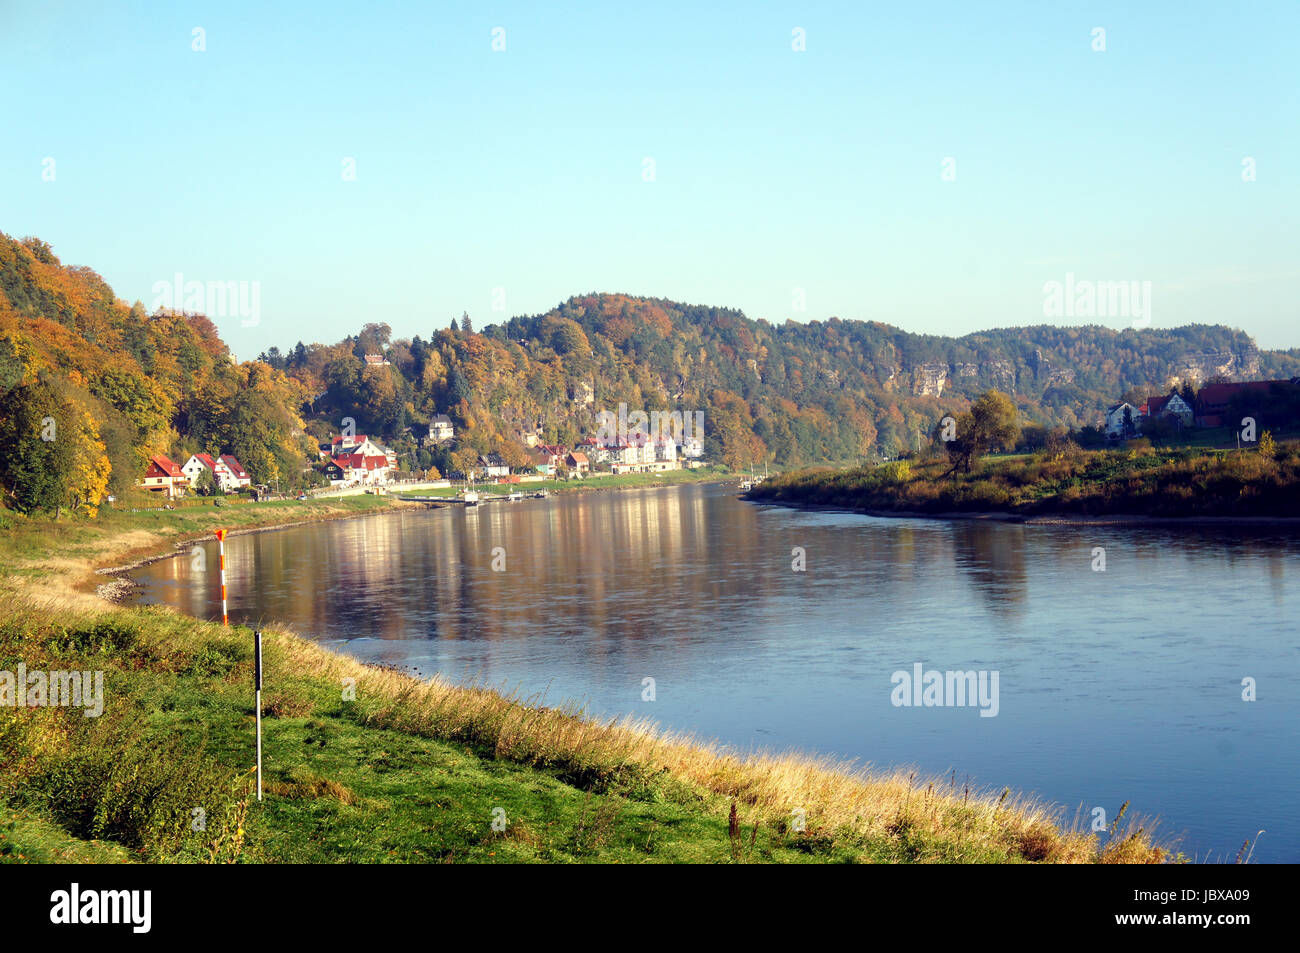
(221, 551)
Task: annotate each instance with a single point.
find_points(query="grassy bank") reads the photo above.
(1129, 482)
(400, 769)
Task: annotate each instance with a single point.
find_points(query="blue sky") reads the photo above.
(776, 172)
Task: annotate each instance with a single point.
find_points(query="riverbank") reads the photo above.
(1106, 487)
(368, 764)
(66, 555)
(598, 482)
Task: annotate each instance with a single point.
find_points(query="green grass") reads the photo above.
(26, 839)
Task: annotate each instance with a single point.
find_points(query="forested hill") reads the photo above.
(123, 383)
(107, 384)
(794, 393)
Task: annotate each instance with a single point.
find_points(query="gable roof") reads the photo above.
(1215, 394)
(166, 465)
(234, 465)
(204, 459)
(578, 457)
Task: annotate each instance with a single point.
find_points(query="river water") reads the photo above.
(1114, 684)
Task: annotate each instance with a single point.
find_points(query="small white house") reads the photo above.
(441, 429)
(227, 472)
(1122, 420)
(238, 476)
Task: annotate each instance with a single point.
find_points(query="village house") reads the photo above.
(640, 454)
(578, 464)
(1170, 405)
(492, 466)
(1122, 420)
(335, 472)
(165, 477)
(201, 463)
(597, 452)
(546, 458)
(238, 475)
(441, 429)
(358, 443)
(691, 448)
(357, 459)
(1213, 399)
(376, 360)
(361, 468)
(226, 470)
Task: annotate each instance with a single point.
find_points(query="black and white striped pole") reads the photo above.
(257, 687)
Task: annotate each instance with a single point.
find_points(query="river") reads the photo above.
(1117, 684)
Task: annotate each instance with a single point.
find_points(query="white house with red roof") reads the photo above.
(227, 472)
(361, 444)
(362, 468)
(165, 476)
(238, 475)
(358, 459)
(201, 463)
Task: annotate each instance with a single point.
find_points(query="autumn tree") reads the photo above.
(990, 424)
(50, 452)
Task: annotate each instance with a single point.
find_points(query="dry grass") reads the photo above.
(840, 799)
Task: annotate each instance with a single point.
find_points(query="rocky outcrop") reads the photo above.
(1002, 374)
(1207, 365)
(929, 379)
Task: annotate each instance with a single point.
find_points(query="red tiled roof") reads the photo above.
(357, 461)
(168, 467)
(1213, 395)
(206, 460)
(234, 465)
(577, 457)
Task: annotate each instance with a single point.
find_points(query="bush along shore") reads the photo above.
(1134, 482)
(370, 764)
